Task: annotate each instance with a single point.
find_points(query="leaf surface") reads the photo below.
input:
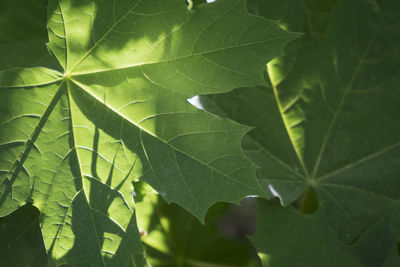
(20, 239)
(328, 119)
(74, 138)
(23, 34)
(285, 237)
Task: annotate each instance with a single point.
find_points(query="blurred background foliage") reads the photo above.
(173, 237)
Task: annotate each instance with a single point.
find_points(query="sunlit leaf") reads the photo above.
(72, 139)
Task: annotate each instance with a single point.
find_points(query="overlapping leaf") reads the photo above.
(330, 119)
(285, 237)
(22, 33)
(73, 139)
(21, 242)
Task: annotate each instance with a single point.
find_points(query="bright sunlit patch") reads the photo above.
(195, 101)
(264, 257)
(273, 191)
(110, 247)
(210, 1)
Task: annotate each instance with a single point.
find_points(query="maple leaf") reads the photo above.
(73, 138)
(326, 124)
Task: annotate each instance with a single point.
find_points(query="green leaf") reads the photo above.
(285, 237)
(20, 240)
(329, 119)
(73, 139)
(23, 34)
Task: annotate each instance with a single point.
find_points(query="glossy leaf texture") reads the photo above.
(115, 110)
(328, 119)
